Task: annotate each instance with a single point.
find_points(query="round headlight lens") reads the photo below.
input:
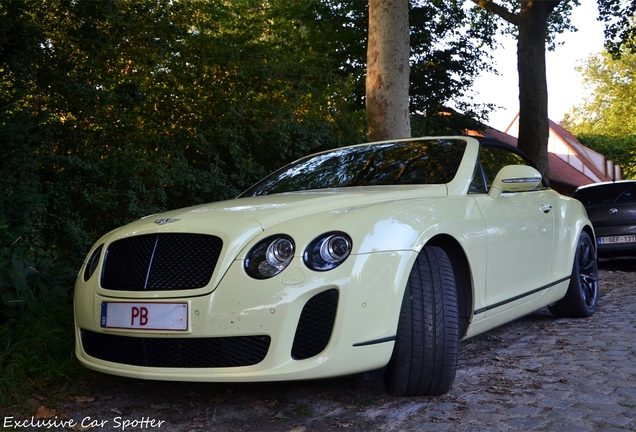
(335, 248)
(280, 252)
(270, 256)
(328, 251)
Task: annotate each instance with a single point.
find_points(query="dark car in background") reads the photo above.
(611, 207)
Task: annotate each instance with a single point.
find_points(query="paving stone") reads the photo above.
(604, 420)
(535, 374)
(570, 427)
(554, 403)
(522, 410)
(526, 424)
(549, 374)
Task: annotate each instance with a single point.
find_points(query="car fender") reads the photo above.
(570, 221)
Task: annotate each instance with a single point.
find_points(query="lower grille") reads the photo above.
(176, 352)
(315, 325)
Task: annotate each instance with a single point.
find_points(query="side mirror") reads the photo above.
(515, 178)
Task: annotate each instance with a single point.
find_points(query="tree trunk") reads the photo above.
(533, 87)
(387, 82)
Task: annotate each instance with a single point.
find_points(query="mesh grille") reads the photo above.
(161, 262)
(315, 325)
(176, 352)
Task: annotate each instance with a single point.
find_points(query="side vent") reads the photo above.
(315, 325)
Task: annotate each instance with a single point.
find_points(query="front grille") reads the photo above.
(176, 352)
(160, 262)
(315, 325)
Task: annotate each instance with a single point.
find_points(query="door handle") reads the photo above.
(546, 208)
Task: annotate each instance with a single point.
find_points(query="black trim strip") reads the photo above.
(375, 341)
(495, 306)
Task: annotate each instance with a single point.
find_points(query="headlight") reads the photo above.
(91, 264)
(327, 251)
(270, 256)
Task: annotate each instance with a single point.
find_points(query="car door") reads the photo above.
(519, 230)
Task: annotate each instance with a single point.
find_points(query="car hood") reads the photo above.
(238, 222)
(268, 210)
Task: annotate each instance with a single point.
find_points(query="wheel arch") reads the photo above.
(588, 229)
(463, 277)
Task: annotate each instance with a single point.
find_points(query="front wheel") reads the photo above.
(581, 299)
(424, 359)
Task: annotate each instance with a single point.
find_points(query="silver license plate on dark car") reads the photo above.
(617, 239)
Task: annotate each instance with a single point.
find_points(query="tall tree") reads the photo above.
(387, 81)
(531, 19)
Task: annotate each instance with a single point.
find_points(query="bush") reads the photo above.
(36, 323)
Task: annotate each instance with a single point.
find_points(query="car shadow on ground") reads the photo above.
(623, 264)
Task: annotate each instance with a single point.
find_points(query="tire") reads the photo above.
(424, 359)
(581, 298)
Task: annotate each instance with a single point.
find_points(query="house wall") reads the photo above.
(571, 152)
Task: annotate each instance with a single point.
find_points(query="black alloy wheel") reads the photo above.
(581, 298)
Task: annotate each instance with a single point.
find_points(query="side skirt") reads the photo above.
(519, 297)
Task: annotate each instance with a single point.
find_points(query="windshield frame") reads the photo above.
(369, 164)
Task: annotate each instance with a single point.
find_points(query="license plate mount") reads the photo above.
(145, 316)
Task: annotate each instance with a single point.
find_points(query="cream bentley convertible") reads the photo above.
(377, 258)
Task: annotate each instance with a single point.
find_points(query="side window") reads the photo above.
(629, 196)
(494, 159)
(491, 160)
(478, 185)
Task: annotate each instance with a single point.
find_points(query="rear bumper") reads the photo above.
(610, 250)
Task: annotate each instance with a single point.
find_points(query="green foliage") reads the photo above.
(114, 110)
(36, 332)
(610, 109)
(449, 48)
(34, 362)
(606, 120)
(34, 285)
(620, 27)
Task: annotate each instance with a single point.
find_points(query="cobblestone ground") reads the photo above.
(542, 373)
(537, 373)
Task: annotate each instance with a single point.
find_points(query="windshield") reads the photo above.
(611, 193)
(398, 163)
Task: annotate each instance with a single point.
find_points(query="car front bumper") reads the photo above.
(299, 325)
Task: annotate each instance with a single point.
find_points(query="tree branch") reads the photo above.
(498, 10)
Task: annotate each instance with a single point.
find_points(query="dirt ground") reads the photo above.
(352, 404)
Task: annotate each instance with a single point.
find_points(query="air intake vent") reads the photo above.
(315, 325)
(176, 352)
(161, 262)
